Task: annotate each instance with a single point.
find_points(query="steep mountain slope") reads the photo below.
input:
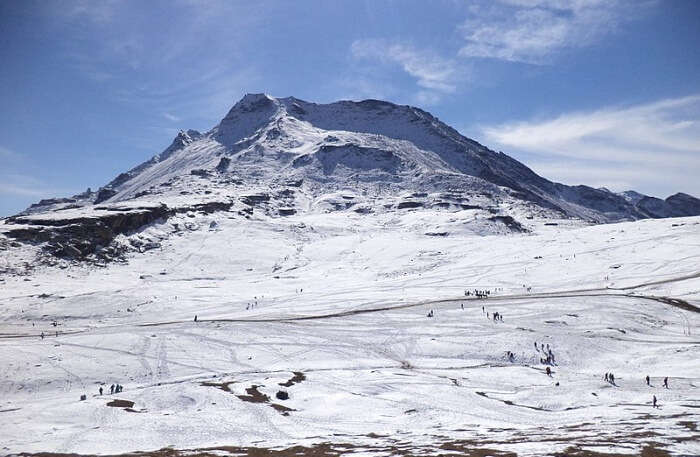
(280, 156)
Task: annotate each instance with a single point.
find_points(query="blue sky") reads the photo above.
(601, 92)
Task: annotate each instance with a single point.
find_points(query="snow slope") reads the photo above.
(343, 298)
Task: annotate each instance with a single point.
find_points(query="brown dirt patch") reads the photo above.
(296, 379)
(255, 396)
(121, 403)
(225, 386)
(649, 450)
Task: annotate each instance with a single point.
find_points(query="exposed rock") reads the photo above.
(410, 204)
(509, 222)
(223, 164)
(282, 395)
(105, 194)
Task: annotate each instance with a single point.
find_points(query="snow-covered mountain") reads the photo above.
(280, 156)
(302, 280)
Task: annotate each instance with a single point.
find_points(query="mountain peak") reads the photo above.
(254, 101)
(248, 114)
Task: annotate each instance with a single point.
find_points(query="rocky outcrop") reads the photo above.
(76, 237)
(79, 236)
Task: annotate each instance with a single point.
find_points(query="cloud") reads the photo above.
(532, 31)
(430, 71)
(171, 117)
(658, 141)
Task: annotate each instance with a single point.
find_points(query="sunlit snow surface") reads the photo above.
(339, 299)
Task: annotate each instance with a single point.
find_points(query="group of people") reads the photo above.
(253, 304)
(543, 348)
(609, 377)
(477, 293)
(648, 380)
(113, 389)
(497, 317)
(547, 351)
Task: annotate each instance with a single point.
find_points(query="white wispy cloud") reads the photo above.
(171, 117)
(532, 31)
(658, 141)
(435, 74)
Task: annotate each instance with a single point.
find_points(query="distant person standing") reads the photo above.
(666, 382)
(654, 402)
(648, 381)
(100, 390)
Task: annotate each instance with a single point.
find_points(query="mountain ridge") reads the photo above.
(282, 156)
(257, 111)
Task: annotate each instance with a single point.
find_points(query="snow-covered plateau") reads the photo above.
(265, 288)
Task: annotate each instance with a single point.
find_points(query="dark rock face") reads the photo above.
(77, 237)
(223, 165)
(255, 199)
(105, 194)
(52, 201)
(509, 222)
(410, 204)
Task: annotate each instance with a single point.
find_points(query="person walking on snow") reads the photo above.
(648, 381)
(666, 382)
(100, 390)
(654, 402)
